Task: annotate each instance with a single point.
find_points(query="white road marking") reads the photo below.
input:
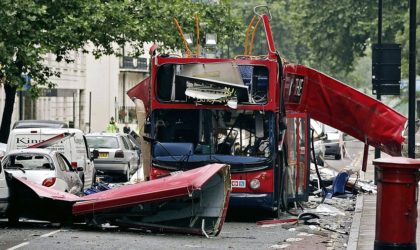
(50, 233)
(280, 246)
(19, 246)
(27, 243)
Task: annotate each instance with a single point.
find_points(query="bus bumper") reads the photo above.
(249, 200)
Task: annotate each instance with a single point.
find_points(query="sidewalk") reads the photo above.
(362, 233)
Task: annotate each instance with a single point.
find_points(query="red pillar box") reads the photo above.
(396, 205)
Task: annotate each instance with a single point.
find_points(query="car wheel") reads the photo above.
(127, 172)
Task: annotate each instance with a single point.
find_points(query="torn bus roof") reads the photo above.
(340, 106)
(46, 192)
(30, 200)
(194, 201)
(162, 189)
(141, 91)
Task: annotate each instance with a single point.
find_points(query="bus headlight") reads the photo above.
(254, 183)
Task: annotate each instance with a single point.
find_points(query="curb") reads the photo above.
(355, 225)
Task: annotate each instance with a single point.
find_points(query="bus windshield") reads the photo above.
(216, 132)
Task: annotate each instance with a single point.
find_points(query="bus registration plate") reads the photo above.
(238, 183)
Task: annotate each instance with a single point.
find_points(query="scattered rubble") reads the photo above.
(325, 209)
(331, 217)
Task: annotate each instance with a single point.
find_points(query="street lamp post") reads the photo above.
(378, 90)
(412, 81)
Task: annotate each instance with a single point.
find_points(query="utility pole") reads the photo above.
(90, 111)
(412, 82)
(74, 108)
(20, 104)
(123, 84)
(378, 90)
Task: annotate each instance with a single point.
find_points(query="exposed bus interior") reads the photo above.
(212, 83)
(192, 137)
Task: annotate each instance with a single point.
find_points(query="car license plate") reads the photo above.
(238, 183)
(103, 155)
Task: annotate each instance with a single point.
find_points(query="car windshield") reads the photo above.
(102, 142)
(28, 161)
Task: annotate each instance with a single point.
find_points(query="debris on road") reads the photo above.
(97, 187)
(191, 202)
(325, 221)
(325, 209)
(365, 186)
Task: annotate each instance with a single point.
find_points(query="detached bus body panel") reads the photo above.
(338, 105)
(191, 202)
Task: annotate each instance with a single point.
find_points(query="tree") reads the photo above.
(32, 28)
(284, 36)
(337, 32)
(402, 37)
(327, 35)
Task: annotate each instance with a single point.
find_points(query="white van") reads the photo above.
(74, 147)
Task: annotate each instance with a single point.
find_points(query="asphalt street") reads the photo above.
(236, 234)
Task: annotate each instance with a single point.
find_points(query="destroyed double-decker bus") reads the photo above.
(194, 111)
(251, 112)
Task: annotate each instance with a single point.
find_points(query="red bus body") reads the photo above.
(266, 132)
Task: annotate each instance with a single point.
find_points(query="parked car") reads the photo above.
(43, 166)
(68, 141)
(116, 153)
(136, 146)
(334, 143)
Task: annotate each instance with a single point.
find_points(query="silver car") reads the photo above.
(334, 143)
(116, 153)
(45, 167)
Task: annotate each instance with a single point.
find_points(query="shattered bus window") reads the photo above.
(212, 83)
(217, 132)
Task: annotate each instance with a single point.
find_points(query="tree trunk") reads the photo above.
(7, 112)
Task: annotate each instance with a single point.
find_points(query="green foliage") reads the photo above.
(402, 37)
(337, 32)
(281, 25)
(332, 36)
(32, 28)
(328, 35)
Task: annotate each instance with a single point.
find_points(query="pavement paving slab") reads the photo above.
(362, 233)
